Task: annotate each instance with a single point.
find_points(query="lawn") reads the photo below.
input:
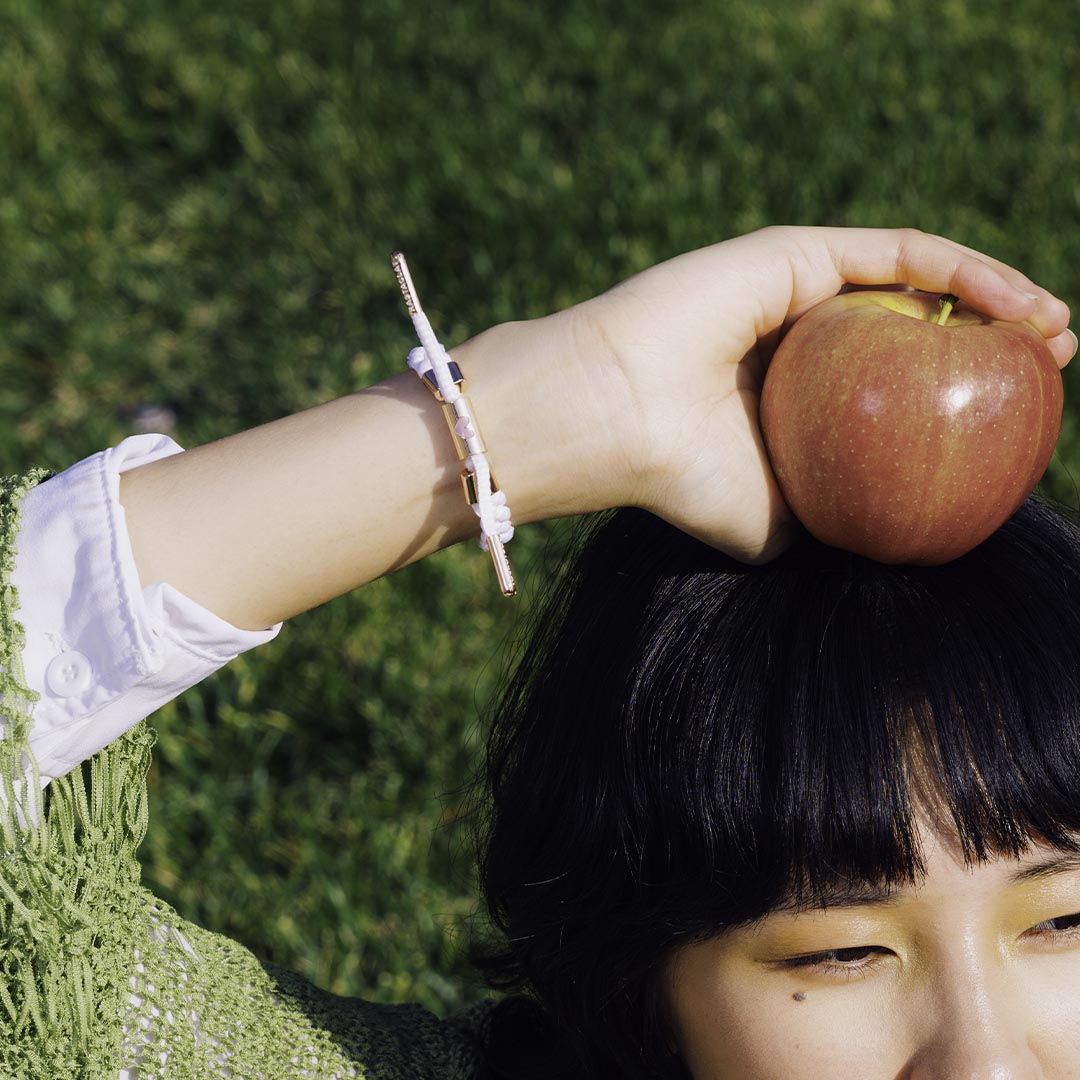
(197, 206)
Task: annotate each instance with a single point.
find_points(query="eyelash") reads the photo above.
(1072, 930)
(827, 962)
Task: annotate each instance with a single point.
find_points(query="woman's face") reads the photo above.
(973, 975)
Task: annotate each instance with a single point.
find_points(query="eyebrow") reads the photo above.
(860, 894)
(845, 894)
(1057, 864)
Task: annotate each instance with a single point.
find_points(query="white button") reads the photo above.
(68, 674)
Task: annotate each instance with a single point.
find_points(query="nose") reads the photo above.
(979, 1031)
(960, 1054)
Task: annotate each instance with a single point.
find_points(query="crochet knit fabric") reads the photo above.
(101, 980)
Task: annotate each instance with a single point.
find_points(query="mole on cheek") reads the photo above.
(800, 996)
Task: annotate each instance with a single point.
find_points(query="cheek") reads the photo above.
(734, 1024)
(1049, 997)
(745, 1029)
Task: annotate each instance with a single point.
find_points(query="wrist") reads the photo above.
(551, 403)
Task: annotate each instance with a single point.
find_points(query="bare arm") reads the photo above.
(267, 523)
(644, 396)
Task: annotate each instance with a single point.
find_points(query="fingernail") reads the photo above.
(1073, 336)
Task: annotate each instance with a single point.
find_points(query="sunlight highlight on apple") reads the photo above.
(956, 397)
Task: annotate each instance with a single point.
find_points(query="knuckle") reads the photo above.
(772, 230)
(910, 236)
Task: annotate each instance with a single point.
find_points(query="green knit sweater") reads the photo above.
(97, 975)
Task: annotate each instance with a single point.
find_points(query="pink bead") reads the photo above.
(462, 429)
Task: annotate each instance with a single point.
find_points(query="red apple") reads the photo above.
(905, 430)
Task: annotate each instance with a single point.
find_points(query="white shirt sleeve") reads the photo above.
(103, 649)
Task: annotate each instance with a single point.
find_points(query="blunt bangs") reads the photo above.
(788, 763)
(689, 743)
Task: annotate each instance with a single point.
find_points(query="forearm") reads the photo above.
(646, 396)
(262, 525)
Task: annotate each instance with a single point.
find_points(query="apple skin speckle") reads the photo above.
(963, 423)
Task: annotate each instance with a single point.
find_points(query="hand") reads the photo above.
(692, 338)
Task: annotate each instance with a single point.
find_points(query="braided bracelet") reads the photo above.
(444, 379)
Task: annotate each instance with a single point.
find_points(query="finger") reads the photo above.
(911, 257)
(1017, 277)
(1063, 346)
(1050, 316)
(849, 288)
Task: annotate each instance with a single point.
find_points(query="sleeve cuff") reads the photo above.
(102, 650)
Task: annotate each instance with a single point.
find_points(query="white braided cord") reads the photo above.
(490, 506)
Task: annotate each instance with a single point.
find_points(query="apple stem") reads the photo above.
(946, 301)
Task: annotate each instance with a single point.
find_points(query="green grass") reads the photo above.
(197, 204)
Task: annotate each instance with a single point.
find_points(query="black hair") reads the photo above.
(688, 743)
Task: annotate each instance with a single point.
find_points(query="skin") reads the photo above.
(972, 975)
(694, 336)
(646, 395)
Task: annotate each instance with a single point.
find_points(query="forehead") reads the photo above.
(947, 867)
(947, 874)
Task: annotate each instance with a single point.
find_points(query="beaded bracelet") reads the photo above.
(444, 379)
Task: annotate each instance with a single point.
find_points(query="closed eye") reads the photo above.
(1061, 926)
(853, 961)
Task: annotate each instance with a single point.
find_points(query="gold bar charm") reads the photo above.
(468, 484)
(502, 566)
(463, 428)
(404, 280)
(432, 383)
